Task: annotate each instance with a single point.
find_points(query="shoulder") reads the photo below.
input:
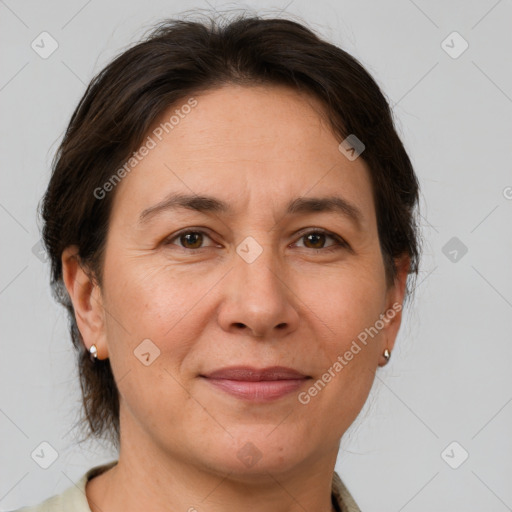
(73, 499)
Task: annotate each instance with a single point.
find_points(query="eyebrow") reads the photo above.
(208, 204)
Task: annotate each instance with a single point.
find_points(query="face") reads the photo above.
(259, 277)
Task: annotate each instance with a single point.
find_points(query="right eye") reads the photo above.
(189, 239)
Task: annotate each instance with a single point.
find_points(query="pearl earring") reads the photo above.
(93, 351)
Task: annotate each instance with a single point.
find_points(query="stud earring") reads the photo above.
(93, 351)
(386, 354)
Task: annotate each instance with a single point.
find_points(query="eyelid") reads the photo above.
(341, 242)
(168, 240)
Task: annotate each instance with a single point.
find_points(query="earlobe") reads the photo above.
(85, 296)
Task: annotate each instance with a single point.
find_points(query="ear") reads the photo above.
(87, 301)
(394, 305)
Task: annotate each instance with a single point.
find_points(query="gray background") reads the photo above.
(449, 379)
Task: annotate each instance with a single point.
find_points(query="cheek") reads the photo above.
(152, 299)
(348, 307)
(345, 395)
(161, 304)
(346, 301)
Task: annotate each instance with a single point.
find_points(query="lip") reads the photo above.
(256, 384)
(251, 374)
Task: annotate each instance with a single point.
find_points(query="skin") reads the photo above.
(297, 305)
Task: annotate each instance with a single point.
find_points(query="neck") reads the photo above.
(146, 479)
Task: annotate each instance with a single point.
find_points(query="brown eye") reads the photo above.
(316, 240)
(191, 240)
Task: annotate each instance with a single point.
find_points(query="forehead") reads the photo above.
(248, 118)
(248, 146)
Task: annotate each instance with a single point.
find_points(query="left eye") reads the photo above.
(319, 236)
(193, 239)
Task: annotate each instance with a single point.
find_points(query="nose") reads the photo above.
(257, 299)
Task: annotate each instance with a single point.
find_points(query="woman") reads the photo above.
(231, 227)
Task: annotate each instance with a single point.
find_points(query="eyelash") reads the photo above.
(340, 243)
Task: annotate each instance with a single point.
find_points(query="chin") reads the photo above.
(254, 453)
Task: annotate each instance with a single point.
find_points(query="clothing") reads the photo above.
(73, 499)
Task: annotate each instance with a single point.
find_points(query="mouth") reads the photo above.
(256, 384)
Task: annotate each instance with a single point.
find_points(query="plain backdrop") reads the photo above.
(449, 379)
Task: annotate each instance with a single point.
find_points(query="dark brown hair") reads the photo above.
(182, 58)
